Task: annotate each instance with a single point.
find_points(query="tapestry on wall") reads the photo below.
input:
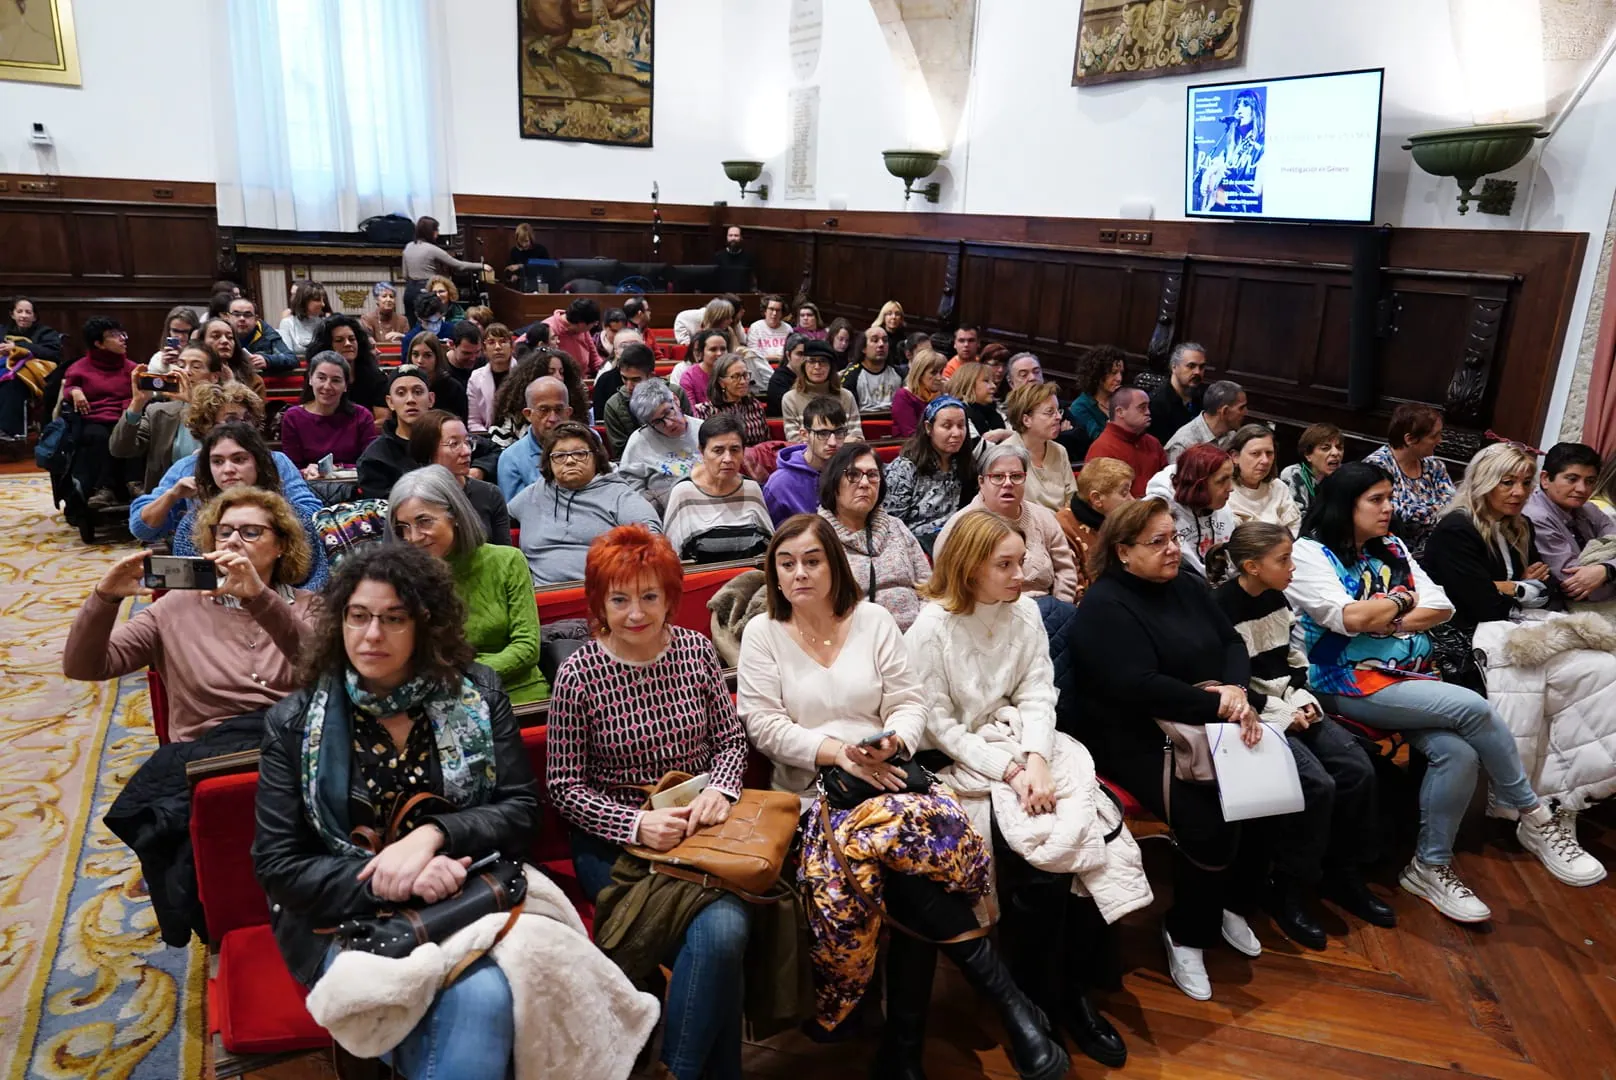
(37, 42)
(1146, 39)
(584, 70)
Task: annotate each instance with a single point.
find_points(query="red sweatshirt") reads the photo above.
(575, 341)
(1141, 451)
(104, 378)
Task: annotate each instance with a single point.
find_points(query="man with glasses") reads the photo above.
(263, 343)
(635, 364)
(388, 457)
(793, 488)
(547, 406)
(665, 449)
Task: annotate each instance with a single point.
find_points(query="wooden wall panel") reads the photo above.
(171, 247)
(35, 245)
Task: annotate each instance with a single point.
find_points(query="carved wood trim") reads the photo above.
(951, 273)
(1467, 391)
(1166, 332)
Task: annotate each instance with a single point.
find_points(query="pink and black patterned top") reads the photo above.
(614, 723)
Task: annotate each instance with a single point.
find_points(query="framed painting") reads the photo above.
(38, 43)
(584, 70)
(1145, 39)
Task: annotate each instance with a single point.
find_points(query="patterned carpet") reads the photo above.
(87, 988)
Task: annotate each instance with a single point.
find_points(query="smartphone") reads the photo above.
(180, 572)
(326, 465)
(877, 738)
(158, 384)
(681, 794)
(172, 343)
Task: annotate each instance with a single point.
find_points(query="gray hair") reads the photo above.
(436, 486)
(1220, 395)
(1024, 356)
(721, 368)
(994, 451)
(648, 397)
(1182, 349)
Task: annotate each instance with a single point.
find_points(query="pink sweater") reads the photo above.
(216, 661)
(576, 341)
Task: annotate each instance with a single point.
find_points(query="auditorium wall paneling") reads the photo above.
(129, 249)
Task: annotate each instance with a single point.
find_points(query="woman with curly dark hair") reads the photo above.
(561, 365)
(1099, 375)
(509, 422)
(392, 706)
(347, 337)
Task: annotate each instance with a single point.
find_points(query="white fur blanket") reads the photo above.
(1072, 839)
(577, 1015)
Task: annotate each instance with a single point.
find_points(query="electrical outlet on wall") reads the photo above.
(1140, 237)
(1108, 236)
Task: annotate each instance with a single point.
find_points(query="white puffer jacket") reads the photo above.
(1554, 683)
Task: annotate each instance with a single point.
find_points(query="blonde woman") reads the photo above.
(980, 652)
(1034, 414)
(975, 385)
(445, 291)
(890, 319)
(924, 382)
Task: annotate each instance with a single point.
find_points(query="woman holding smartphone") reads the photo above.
(221, 652)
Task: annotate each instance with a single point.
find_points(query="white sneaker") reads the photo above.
(1441, 888)
(1240, 936)
(1187, 966)
(1553, 840)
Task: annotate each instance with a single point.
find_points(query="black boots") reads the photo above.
(1287, 904)
(1094, 1034)
(1346, 888)
(910, 966)
(1033, 1053)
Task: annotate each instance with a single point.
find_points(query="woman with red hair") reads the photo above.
(643, 698)
(1196, 489)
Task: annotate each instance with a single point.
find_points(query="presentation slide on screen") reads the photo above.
(1301, 148)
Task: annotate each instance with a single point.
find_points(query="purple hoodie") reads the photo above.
(794, 486)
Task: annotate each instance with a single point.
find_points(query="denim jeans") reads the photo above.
(702, 1033)
(1454, 728)
(467, 1034)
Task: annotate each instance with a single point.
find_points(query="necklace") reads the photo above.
(802, 635)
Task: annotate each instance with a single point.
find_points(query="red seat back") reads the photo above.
(563, 602)
(223, 820)
(886, 453)
(876, 427)
(159, 704)
(700, 586)
(777, 429)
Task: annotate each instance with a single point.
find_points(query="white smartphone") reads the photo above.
(681, 794)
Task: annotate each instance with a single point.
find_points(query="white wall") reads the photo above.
(143, 111)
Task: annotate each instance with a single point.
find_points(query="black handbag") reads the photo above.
(843, 791)
(499, 885)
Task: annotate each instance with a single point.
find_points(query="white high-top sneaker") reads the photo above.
(1441, 888)
(1553, 840)
(1187, 966)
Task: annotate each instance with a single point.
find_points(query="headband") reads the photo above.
(941, 402)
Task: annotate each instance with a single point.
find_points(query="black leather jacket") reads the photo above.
(309, 888)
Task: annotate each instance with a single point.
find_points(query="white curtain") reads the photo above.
(330, 112)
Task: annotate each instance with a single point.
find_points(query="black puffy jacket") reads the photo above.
(309, 888)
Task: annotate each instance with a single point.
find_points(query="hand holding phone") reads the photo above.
(878, 738)
(180, 572)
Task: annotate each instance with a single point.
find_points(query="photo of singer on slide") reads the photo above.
(1230, 137)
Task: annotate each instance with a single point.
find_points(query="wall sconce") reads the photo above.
(1469, 153)
(912, 165)
(743, 173)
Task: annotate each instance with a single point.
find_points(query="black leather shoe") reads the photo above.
(1034, 1053)
(910, 966)
(1094, 1034)
(1290, 914)
(1347, 890)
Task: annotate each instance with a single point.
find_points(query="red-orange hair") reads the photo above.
(617, 557)
(1196, 468)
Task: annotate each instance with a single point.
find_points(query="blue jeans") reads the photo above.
(467, 1034)
(1454, 728)
(702, 1034)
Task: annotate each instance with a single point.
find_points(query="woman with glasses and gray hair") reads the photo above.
(888, 563)
(665, 449)
(1050, 566)
(428, 509)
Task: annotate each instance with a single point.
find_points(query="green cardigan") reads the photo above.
(502, 617)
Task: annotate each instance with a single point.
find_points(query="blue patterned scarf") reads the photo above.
(461, 730)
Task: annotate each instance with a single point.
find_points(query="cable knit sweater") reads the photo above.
(1270, 501)
(899, 565)
(971, 667)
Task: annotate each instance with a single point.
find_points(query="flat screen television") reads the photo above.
(1302, 148)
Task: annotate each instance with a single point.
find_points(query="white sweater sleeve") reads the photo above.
(1315, 590)
(944, 728)
(760, 700)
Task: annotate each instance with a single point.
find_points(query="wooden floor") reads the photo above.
(1533, 995)
(1530, 995)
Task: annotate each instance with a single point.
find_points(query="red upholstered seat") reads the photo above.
(563, 602)
(552, 852)
(700, 586)
(1374, 734)
(777, 429)
(876, 427)
(254, 1003)
(1131, 807)
(159, 704)
(886, 453)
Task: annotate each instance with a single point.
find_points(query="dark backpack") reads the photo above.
(390, 229)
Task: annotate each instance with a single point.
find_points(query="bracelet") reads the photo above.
(1013, 771)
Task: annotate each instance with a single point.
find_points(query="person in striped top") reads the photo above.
(715, 513)
(1333, 838)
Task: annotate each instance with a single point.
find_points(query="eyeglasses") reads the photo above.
(246, 532)
(1158, 544)
(862, 476)
(393, 622)
(548, 410)
(1005, 479)
(564, 457)
(828, 432)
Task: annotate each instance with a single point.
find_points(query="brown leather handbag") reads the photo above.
(744, 854)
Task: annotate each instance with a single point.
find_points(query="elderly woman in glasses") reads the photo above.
(665, 448)
(1050, 567)
(888, 563)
